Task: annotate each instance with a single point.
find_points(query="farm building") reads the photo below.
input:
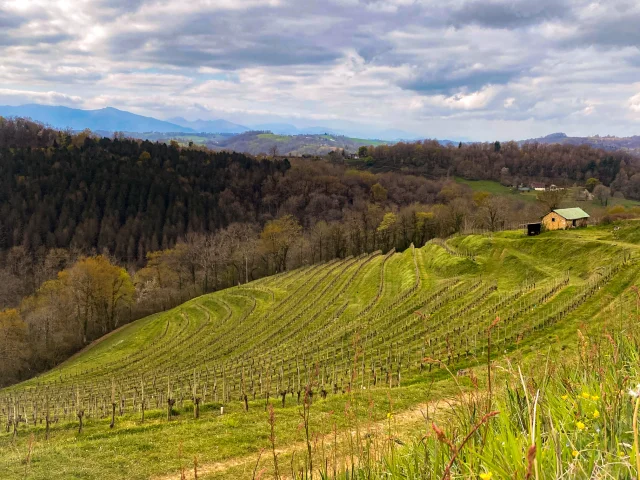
(533, 228)
(563, 218)
(538, 187)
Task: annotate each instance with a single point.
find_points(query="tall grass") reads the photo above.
(572, 418)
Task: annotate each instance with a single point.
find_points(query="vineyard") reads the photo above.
(377, 322)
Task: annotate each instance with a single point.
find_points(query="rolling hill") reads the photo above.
(210, 126)
(295, 145)
(606, 142)
(377, 332)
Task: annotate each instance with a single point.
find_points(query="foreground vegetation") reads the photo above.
(325, 370)
(569, 419)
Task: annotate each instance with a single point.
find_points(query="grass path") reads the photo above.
(403, 427)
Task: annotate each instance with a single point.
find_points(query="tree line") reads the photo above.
(511, 163)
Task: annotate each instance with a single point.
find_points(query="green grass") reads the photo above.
(367, 142)
(486, 186)
(274, 137)
(360, 325)
(591, 207)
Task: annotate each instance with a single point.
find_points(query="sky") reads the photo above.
(457, 69)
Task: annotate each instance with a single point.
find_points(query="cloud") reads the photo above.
(509, 13)
(452, 79)
(48, 98)
(634, 103)
(471, 101)
(437, 68)
(10, 20)
(607, 25)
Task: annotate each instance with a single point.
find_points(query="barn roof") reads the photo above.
(575, 213)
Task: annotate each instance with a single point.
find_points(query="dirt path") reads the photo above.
(402, 420)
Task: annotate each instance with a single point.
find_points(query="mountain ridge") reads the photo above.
(108, 118)
(111, 119)
(210, 126)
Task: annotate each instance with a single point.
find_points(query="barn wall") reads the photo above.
(559, 224)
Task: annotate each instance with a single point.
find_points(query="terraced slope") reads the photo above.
(272, 337)
(379, 320)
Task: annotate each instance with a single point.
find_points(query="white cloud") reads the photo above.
(48, 98)
(634, 103)
(471, 101)
(447, 69)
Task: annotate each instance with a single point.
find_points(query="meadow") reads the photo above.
(593, 207)
(367, 367)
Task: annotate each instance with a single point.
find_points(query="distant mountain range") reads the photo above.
(223, 126)
(109, 119)
(210, 126)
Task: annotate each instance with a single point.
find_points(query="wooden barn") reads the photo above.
(563, 218)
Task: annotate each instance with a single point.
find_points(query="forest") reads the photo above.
(96, 232)
(510, 163)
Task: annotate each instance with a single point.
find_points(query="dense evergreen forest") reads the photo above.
(124, 196)
(96, 232)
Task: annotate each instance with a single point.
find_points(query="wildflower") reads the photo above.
(635, 392)
(585, 395)
(389, 415)
(575, 453)
(565, 397)
(580, 426)
(486, 476)
(595, 398)
(596, 414)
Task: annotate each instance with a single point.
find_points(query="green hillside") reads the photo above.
(377, 332)
(591, 206)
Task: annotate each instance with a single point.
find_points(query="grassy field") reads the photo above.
(343, 357)
(490, 186)
(593, 207)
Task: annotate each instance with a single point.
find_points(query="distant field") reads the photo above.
(486, 186)
(496, 188)
(368, 142)
(590, 207)
(273, 137)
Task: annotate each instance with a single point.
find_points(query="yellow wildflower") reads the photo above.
(486, 476)
(595, 397)
(580, 426)
(575, 453)
(565, 397)
(389, 415)
(585, 395)
(596, 414)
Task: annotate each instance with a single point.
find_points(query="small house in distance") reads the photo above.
(563, 218)
(538, 186)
